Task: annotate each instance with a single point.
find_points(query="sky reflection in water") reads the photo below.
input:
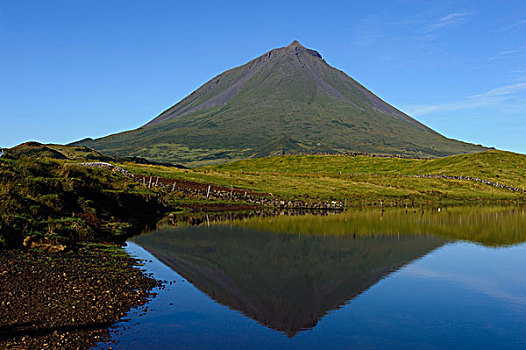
(257, 283)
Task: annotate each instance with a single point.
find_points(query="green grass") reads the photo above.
(490, 165)
(363, 178)
(44, 193)
(45, 196)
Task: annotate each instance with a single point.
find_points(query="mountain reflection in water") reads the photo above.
(286, 282)
(288, 272)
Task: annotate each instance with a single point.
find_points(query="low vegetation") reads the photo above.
(45, 192)
(43, 196)
(365, 179)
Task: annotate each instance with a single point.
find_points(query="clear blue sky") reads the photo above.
(73, 69)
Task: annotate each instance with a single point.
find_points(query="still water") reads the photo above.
(363, 279)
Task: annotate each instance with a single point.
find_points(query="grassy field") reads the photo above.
(490, 165)
(43, 191)
(363, 178)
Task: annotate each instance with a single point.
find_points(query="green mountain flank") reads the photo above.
(287, 101)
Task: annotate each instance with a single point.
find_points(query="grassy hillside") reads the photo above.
(70, 153)
(53, 198)
(364, 178)
(44, 192)
(54, 151)
(493, 165)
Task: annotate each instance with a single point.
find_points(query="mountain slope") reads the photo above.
(288, 100)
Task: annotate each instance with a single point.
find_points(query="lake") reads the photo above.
(372, 279)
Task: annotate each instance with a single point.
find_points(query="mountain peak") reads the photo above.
(297, 47)
(296, 43)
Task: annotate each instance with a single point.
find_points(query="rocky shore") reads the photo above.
(67, 300)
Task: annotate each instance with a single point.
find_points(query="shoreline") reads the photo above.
(68, 300)
(72, 299)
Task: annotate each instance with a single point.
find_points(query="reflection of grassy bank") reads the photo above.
(492, 226)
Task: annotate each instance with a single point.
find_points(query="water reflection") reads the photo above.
(490, 226)
(288, 272)
(285, 282)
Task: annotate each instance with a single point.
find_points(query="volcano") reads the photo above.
(287, 101)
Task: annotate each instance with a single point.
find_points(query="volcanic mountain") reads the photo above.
(287, 101)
